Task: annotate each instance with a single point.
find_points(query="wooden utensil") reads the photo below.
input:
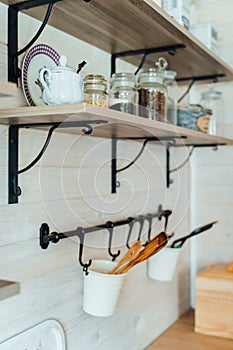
(153, 247)
(131, 254)
(230, 267)
(178, 243)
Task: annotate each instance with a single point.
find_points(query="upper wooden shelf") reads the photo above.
(115, 26)
(115, 124)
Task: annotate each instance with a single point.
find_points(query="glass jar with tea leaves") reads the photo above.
(95, 90)
(212, 100)
(152, 93)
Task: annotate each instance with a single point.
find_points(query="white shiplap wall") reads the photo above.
(71, 187)
(212, 197)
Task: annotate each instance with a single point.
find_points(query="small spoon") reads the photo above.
(153, 247)
(131, 254)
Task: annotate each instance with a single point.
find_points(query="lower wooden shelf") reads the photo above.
(8, 289)
(110, 124)
(181, 336)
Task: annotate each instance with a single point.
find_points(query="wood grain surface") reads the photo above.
(181, 336)
(116, 26)
(120, 125)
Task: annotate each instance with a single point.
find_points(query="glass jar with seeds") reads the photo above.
(95, 90)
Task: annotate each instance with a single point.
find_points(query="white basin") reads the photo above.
(47, 335)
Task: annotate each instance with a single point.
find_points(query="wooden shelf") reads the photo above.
(115, 26)
(7, 89)
(8, 289)
(116, 124)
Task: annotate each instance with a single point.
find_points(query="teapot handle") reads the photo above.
(45, 81)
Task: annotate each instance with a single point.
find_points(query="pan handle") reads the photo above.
(180, 241)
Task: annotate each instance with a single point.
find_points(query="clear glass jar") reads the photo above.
(152, 95)
(212, 100)
(123, 95)
(171, 85)
(95, 90)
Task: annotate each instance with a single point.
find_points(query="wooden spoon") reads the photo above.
(131, 254)
(230, 267)
(153, 247)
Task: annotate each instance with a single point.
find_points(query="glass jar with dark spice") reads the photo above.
(152, 94)
(123, 95)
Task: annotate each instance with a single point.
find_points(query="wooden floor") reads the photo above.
(181, 336)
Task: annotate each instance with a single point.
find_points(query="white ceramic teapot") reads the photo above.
(61, 84)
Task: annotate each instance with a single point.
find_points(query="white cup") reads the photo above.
(162, 266)
(101, 290)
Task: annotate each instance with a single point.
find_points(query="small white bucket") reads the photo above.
(101, 290)
(162, 265)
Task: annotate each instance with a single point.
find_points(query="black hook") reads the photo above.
(80, 233)
(110, 227)
(165, 214)
(139, 219)
(149, 218)
(130, 231)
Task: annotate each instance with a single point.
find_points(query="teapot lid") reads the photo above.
(62, 65)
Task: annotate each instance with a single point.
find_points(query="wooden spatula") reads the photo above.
(131, 254)
(153, 247)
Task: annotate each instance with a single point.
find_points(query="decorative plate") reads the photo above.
(38, 57)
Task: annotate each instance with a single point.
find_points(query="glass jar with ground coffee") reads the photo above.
(123, 95)
(152, 94)
(95, 90)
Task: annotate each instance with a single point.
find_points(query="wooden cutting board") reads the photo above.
(214, 301)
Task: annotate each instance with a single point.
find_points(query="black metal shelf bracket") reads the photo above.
(168, 140)
(14, 191)
(145, 52)
(14, 71)
(169, 181)
(45, 237)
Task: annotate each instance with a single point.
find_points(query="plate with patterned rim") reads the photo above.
(38, 57)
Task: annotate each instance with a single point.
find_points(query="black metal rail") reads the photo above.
(45, 237)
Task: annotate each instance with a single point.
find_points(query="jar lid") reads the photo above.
(169, 74)
(150, 75)
(95, 79)
(211, 94)
(123, 79)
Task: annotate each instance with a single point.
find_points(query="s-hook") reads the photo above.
(149, 218)
(110, 228)
(131, 223)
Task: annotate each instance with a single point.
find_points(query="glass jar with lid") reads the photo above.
(152, 94)
(123, 95)
(171, 85)
(212, 100)
(95, 90)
